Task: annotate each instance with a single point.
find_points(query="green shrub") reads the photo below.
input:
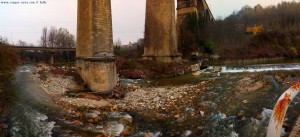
(209, 48)
(293, 51)
(297, 41)
(8, 62)
(8, 59)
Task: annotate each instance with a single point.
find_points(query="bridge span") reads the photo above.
(52, 50)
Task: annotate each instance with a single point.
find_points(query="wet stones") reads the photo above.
(91, 115)
(158, 99)
(187, 133)
(248, 84)
(195, 67)
(3, 127)
(147, 135)
(259, 117)
(78, 122)
(107, 123)
(126, 120)
(241, 114)
(177, 116)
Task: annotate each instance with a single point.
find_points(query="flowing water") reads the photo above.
(260, 68)
(227, 122)
(26, 117)
(35, 115)
(262, 101)
(255, 107)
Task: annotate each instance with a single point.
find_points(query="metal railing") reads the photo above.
(42, 48)
(279, 111)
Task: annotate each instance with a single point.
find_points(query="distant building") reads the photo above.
(254, 29)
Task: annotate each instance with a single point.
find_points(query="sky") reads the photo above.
(25, 21)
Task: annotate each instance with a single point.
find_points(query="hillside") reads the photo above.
(279, 35)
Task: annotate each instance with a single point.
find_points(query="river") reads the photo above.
(34, 114)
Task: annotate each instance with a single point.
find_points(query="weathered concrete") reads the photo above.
(185, 7)
(199, 7)
(160, 31)
(186, 10)
(100, 75)
(95, 59)
(52, 58)
(204, 11)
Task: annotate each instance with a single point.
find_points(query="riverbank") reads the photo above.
(154, 104)
(7, 96)
(8, 62)
(175, 110)
(3, 106)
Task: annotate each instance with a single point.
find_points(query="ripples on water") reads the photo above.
(260, 68)
(27, 122)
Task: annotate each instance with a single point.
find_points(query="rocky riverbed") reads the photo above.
(219, 105)
(153, 103)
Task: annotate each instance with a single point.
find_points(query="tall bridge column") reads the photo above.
(160, 31)
(51, 57)
(95, 60)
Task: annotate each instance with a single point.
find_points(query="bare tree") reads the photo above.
(22, 43)
(119, 42)
(64, 38)
(57, 37)
(52, 37)
(3, 40)
(71, 41)
(44, 37)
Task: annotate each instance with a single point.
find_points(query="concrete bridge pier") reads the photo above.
(95, 60)
(52, 58)
(160, 32)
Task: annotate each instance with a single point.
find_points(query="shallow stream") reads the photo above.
(226, 113)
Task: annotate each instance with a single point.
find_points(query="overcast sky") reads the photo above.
(25, 21)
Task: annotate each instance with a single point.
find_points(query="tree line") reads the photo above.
(133, 50)
(281, 29)
(54, 37)
(280, 35)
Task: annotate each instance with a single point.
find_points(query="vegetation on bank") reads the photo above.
(8, 63)
(190, 41)
(274, 44)
(137, 69)
(279, 37)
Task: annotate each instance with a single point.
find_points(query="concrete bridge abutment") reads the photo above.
(95, 61)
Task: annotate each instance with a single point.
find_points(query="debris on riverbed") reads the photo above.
(249, 84)
(183, 109)
(174, 103)
(152, 98)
